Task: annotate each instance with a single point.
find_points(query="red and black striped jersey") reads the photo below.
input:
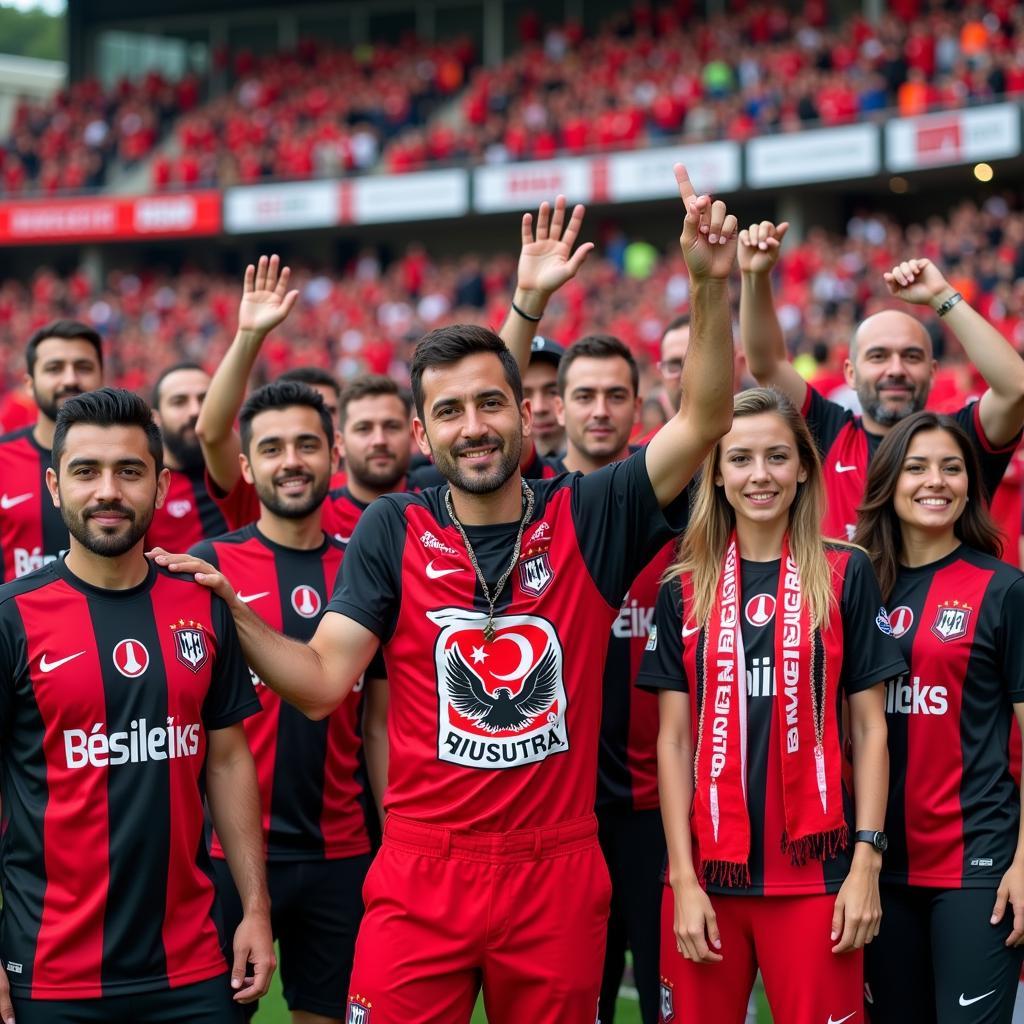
(847, 448)
(500, 734)
(313, 787)
(345, 512)
(189, 514)
(32, 533)
(856, 636)
(106, 699)
(953, 805)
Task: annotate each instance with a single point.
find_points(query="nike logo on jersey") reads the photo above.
(246, 598)
(49, 666)
(832, 1020)
(6, 503)
(969, 1002)
(690, 630)
(840, 468)
(436, 574)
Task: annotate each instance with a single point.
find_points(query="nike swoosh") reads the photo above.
(840, 468)
(690, 630)
(436, 574)
(246, 598)
(49, 666)
(831, 1020)
(6, 503)
(968, 1002)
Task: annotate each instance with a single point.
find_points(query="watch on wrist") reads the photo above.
(879, 840)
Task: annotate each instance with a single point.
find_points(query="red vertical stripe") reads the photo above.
(191, 943)
(935, 846)
(76, 838)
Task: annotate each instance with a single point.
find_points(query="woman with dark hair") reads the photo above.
(953, 875)
(770, 629)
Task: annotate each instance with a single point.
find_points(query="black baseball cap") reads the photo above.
(547, 350)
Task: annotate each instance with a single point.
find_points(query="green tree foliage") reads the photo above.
(31, 33)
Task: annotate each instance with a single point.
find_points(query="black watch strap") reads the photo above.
(879, 840)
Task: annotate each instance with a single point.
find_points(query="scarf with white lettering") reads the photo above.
(809, 746)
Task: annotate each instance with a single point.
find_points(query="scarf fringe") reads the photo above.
(725, 873)
(817, 846)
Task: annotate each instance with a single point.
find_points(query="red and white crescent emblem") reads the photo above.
(901, 619)
(131, 658)
(306, 601)
(760, 609)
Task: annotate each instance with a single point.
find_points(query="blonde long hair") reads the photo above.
(712, 519)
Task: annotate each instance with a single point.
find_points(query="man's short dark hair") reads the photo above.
(598, 346)
(683, 320)
(449, 345)
(107, 407)
(164, 374)
(370, 385)
(313, 376)
(68, 330)
(282, 394)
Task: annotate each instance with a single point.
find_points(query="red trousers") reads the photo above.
(521, 915)
(788, 938)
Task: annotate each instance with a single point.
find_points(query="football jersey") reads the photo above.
(106, 699)
(503, 734)
(32, 533)
(189, 513)
(847, 447)
(313, 787)
(858, 641)
(953, 805)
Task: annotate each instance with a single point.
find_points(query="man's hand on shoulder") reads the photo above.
(201, 571)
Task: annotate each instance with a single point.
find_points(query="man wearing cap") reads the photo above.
(540, 388)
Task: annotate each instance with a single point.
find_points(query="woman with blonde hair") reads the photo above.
(772, 864)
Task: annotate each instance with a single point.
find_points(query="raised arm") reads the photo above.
(708, 242)
(1002, 406)
(546, 262)
(764, 344)
(315, 676)
(265, 303)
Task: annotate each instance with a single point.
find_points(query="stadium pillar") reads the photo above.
(873, 10)
(494, 33)
(93, 265)
(807, 210)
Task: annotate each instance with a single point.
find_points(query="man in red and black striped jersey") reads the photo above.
(312, 778)
(189, 513)
(114, 732)
(64, 359)
(598, 382)
(491, 660)
(891, 367)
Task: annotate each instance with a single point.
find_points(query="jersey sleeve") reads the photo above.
(11, 656)
(824, 418)
(994, 461)
(619, 524)
(207, 551)
(230, 697)
(871, 654)
(661, 667)
(1011, 640)
(240, 506)
(369, 582)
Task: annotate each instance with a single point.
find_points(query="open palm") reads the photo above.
(546, 260)
(266, 300)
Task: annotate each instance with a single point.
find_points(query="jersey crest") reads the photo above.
(501, 704)
(535, 574)
(190, 646)
(951, 621)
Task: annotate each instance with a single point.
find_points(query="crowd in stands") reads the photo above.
(367, 316)
(73, 141)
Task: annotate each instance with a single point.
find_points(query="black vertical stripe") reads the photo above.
(23, 863)
(211, 521)
(297, 796)
(139, 799)
(614, 781)
(54, 534)
(899, 731)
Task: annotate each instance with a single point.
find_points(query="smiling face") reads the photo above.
(64, 367)
(759, 468)
(375, 441)
(472, 425)
(892, 369)
(599, 407)
(931, 490)
(108, 487)
(289, 460)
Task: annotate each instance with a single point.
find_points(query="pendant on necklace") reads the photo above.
(489, 631)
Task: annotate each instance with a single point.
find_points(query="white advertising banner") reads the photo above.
(822, 154)
(282, 207)
(953, 137)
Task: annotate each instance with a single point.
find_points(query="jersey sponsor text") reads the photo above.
(140, 743)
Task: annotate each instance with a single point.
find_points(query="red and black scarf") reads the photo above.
(809, 742)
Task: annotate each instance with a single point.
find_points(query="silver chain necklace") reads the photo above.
(491, 601)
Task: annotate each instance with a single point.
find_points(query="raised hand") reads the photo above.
(918, 281)
(266, 300)
(709, 235)
(759, 246)
(546, 260)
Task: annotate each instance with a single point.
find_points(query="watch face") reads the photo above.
(881, 842)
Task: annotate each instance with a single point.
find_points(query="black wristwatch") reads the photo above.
(879, 840)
